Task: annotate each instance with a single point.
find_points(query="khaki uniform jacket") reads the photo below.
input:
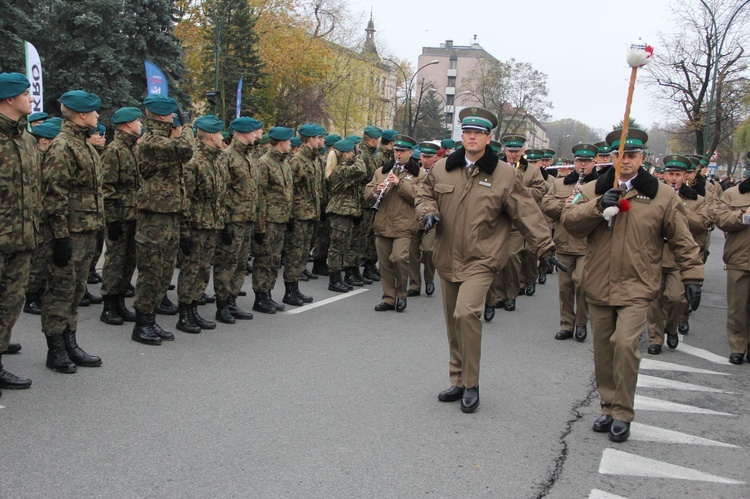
(695, 210)
(275, 189)
(206, 182)
(477, 213)
(395, 217)
(623, 263)
(532, 179)
(121, 178)
(20, 188)
(552, 205)
(242, 188)
(729, 210)
(307, 177)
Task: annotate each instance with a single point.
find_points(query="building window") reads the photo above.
(451, 81)
(453, 63)
(449, 100)
(449, 117)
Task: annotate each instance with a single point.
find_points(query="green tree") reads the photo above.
(428, 119)
(16, 26)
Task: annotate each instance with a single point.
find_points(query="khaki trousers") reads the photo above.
(393, 257)
(420, 252)
(616, 332)
(463, 304)
(529, 267)
(665, 311)
(738, 310)
(574, 310)
(509, 278)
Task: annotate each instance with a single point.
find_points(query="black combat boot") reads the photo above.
(166, 307)
(33, 303)
(92, 298)
(236, 311)
(209, 299)
(320, 267)
(263, 303)
(122, 310)
(109, 314)
(142, 330)
(202, 323)
(279, 306)
(304, 298)
(335, 283)
(351, 279)
(10, 381)
(359, 276)
(76, 353)
(130, 293)
(157, 329)
(371, 270)
(309, 274)
(57, 356)
(186, 322)
(290, 297)
(222, 312)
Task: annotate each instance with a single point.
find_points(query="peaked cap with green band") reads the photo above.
(477, 118)
(548, 153)
(677, 162)
(496, 146)
(331, 140)
(428, 148)
(585, 151)
(534, 154)
(604, 149)
(514, 142)
(635, 141)
(126, 115)
(373, 132)
(403, 142)
(459, 144)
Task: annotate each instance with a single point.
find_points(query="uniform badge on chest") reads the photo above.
(408, 177)
(485, 182)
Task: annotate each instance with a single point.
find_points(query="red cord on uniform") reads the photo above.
(624, 205)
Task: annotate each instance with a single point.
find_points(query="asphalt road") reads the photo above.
(340, 401)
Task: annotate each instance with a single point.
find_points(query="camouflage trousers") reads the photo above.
(157, 239)
(119, 262)
(98, 250)
(195, 269)
(340, 253)
(297, 249)
(362, 239)
(14, 274)
(38, 273)
(67, 285)
(322, 240)
(230, 262)
(268, 257)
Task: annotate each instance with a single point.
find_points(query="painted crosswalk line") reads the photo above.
(703, 354)
(651, 404)
(332, 299)
(615, 462)
(646, 381)
(600, 494)
(646, 433)
(660, 365)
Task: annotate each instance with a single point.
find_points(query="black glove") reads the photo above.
(610, 198)
(114, 230)
(184, 117)
(62, 251)
(259, 237)
(290, 225)
(186, 245)
(551, 259)
(356, 221)
(693, 295)
(430, 221)
(227, 234)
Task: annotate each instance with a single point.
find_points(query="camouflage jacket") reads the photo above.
(382, 157)
(367, 156)
(160, 159)
(206, 187)
(242, 185)
(121, 178)
(307, 175)
(72, 199)
(275, 189)
(346, 182)
(20, 184)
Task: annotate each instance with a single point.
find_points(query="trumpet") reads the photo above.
(381, 195)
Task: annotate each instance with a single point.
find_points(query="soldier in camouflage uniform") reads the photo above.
(121, 182)
(98, 139)
(307, 175)
(73, 211)
(19, 209)
(365, 240)
(242, 213)
(275, 191)
(206, 180)
(384, 154)
(323, 230)
(162, 152)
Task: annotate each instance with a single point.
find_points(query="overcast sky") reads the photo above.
(579, 44)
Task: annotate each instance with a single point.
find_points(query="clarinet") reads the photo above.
(380, 196)
(576, 194)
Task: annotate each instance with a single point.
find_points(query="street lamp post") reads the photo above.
(407, 103)
(559, 144)
(404, 74)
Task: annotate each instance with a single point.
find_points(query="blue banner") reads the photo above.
(239, 97)
(156, 82)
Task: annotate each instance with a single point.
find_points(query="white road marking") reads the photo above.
(659, 365)
(703, 354)
(332, 299)
(651, 404)
(600, 494)
(615, 462)
(645, 381)
(646, 433)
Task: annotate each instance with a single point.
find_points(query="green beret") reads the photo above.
(126, 115)
(677, 162)
(321, 132)
(604, 149)
(37, 117)
(514, 142)
(12, 84)
(100, 129)
(496, 146)
(585, 151)
(309, 130)
(209, 123)
(345, 145)
(80, 101)
(280, 133)
(416, 153)
(534, 154)
(403, 142)
(448, 144)
(296, 141)
(56, 121)
(428, 148)
(331, 140)
(388, 135)
(160, 105)
(548, 153)
(47, 130)
(244, 124)
(635, 141)
(264, 139)
(477, 118)
(354, 138)
(373, 131)
(459, 144)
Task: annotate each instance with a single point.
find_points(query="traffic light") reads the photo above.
(212, 97)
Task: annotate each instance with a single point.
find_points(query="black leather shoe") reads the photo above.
(470, 400)
(654, 349)
(130, 292)
(603, 423)
(489, 313)
(166, 307)
(530, 289)
(223, 314)
(735, 358)
(33, 304)
(413, 292)
(620, 431)
(500, 304)
(383, 306)
(10, 381)
(683, 327)
(672, 341)
(580, 333)
(452, 394)
(563, 335)
(542, 278)
(510, 304)
(429, 288)
(13, 348)
(309, 274)
(521, 291)
(400, 304)
(748, 351)
(242, 293)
